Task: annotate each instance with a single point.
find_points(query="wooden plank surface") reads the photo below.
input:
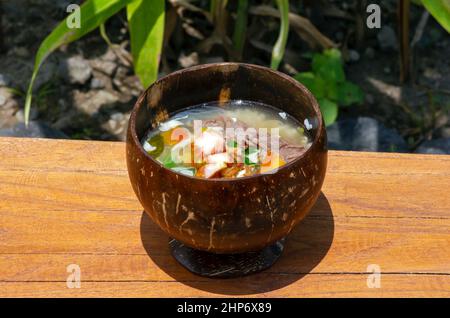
(70, 202)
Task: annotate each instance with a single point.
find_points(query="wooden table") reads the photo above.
(70, 202)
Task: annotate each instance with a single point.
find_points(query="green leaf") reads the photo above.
(440, 10)
(251, 156)
(331, 91)
(329, 110)
(280, 45)
(146, 23)
(158, 143)
(92, 13)
(328, 66)
(314, 83)
(349, 93)
(240, 27)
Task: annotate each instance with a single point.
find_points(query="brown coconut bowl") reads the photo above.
(226, 215)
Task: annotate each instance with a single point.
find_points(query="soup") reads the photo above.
(229, 140)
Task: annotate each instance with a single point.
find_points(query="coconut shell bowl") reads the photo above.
(235, 226)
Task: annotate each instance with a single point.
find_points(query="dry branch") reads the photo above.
(301, 25)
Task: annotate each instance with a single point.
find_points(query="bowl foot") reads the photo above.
(225, 265)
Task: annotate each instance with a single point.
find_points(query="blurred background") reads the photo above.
(381, 89)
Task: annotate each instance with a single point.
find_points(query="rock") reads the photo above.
(20, 51)
(7, 118)
(188, 60)
(444, 132)
(35, 129)
(364, 134)
(370, 99)
(435, 146)
(4, 80)
(117, 125)
(353, 56)
(97, 83)
(431, 73)
(442, 120)
(370, 53)
(118, 116)
(121, 73)
(109, 56)
(46, 73)
(75, 70)
(5, 96)
(387, 39)
(20, 115)
(91, 102)
(106, 67)
(8, 107)
(2, 100)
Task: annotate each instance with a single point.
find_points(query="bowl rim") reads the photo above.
(310, 96)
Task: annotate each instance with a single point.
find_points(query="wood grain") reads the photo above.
(70, 202)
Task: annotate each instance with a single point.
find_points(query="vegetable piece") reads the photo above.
(167, 137)
(182, 152)
(171, 124)
(210, 170)
(185, 170)
(274, 161)
(219, 158)
(154, 146)
(231, 172)
(208, 143)
(251, 156)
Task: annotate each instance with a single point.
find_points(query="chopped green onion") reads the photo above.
(251, 156)
(184, 170)
(154, 146)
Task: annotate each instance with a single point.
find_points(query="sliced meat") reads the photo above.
(289, 151)
(210, 170)
(215, 122)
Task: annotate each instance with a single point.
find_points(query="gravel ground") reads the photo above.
(86, 90)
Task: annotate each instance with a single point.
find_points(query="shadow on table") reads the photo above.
(306, 246)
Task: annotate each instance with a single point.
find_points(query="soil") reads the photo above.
(95, 102)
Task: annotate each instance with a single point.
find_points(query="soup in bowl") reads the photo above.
(222, 192)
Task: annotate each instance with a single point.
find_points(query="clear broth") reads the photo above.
(231, 140)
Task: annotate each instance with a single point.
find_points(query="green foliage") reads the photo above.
(146, 24)
(280, 45)
(329, 110)
(328, 84)
(328, 66)
(146, 20)
(240, 27)
(440, 10)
